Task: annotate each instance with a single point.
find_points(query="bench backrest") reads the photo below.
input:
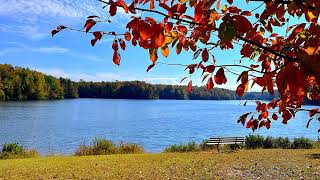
(225, 140)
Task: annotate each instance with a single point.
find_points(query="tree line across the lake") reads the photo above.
(18, 83)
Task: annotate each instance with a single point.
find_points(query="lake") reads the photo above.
(61, 126)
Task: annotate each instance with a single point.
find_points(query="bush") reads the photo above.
(254, 141)
(302, 143)
(102, 146)
(205, 147)
(125, 148)
(189, 147)
(14, 151)
(269, 142)
(283, 143)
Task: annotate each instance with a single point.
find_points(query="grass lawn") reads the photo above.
(244, 164)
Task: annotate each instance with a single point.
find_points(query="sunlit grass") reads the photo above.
(243, 164)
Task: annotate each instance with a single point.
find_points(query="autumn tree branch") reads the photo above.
(217, 29)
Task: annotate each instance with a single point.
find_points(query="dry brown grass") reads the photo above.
(244, 164)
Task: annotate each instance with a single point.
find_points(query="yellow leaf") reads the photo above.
(165, 51)
(311, 15)
(168, 39)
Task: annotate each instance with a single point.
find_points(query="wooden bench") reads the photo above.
(225, 140)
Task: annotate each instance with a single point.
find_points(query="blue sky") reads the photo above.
(26, 41)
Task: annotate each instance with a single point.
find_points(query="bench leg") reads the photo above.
(218, 147)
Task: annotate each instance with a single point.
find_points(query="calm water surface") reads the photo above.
(60, 126)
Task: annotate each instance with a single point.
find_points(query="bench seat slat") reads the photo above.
(225, 140)
(224, 143)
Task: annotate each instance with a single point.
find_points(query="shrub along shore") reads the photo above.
(101, 146)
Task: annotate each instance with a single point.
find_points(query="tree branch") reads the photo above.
(217, 29)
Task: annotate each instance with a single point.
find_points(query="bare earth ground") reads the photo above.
(244, 164)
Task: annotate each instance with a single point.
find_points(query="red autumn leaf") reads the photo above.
(246, 50)
(122, 44)
(230, 1)
(243, 118)
(246, 13)
(314, 111)
(198, 11)
(253, 66)
(286, 116)
(249, 123)
(150, 67)
(240, 90)
(220, 77)
(182, 29)
(58, 29)
(93, 41)
(183, 79)
(98, 34)
(274, 117)
(89, 24)
(115, 46)
(113, 9)
(191, 68)
(242, 24)
(209, 68)
(169, 26)
(190, 86)
(116, 58)
(268, 123)
(205, 55)
(292, 80)
(210, 84)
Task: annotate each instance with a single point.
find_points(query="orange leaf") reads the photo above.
(165, 50)
(153, 54)
(151, 4)
(218, 4)
(127, 36)
(123, 5)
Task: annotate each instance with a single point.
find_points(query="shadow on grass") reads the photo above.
(314, 156)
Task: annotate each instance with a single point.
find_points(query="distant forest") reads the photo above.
(18, 84)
